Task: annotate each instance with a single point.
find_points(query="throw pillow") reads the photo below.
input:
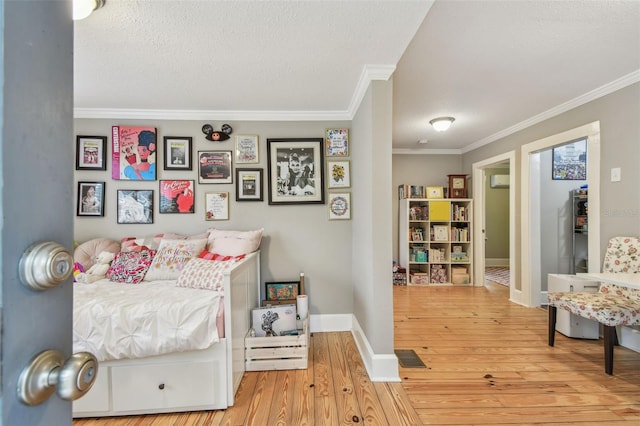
(171, 258)
(130, 267)
(87, 252)
(204, 274)
(204, 254)
(233, 243)
(140, 243)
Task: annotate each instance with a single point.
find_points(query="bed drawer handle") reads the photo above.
(161, 386)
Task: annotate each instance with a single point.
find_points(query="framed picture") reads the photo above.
(90, 152)
(247, 149)
(295, 171)
(435, 192)
(177, 196)
(570, 161)
(249, 185)
(90, 199)
(279, 290)
(133, 152)
(214, 167)
(337, 142)
(340, 206)
(440, 233)
(177, 153)
(338, 174)
(216, 205)
(135, 206)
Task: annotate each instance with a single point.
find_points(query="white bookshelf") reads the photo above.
(435, 241)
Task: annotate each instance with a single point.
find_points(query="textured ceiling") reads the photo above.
(494, 65)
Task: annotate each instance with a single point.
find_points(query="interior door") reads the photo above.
(37, 191)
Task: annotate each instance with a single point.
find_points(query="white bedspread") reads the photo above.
(116, 321)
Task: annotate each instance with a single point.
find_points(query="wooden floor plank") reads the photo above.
(488, 363)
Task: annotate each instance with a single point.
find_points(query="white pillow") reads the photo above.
(234, 243)
(171, 258)
(205, 274)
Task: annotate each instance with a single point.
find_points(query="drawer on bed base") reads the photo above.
(97, 399)
(156, 386)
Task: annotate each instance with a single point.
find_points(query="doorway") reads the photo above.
(530, 200)
(480, 175)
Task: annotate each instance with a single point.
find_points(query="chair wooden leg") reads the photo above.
(609, 340)
(553, 311)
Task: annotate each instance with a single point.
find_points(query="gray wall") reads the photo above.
(496, 217)
(297, 238)
(420, 169)
(371, 272)
(618, 114)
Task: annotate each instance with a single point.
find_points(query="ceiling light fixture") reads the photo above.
(441, 123)
(83, 8)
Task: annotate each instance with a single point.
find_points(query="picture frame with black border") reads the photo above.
(135, 206)
(178, 153)
(91, 153)
(249, 186)
(176, 196)
(90, 200)
(296, 171)
(215, 166)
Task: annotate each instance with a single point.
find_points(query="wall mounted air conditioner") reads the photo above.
(499, 181)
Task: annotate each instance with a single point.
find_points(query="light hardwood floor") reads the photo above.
(487, 362)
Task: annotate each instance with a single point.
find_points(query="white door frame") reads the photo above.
(479, 177)
(529, 208)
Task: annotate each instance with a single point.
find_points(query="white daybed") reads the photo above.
(205, 379)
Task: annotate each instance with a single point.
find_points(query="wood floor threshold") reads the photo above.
(487, 363)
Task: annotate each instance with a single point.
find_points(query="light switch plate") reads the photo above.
(616, 174)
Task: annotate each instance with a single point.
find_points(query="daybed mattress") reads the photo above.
(116, 320)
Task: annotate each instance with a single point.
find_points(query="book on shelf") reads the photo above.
(411, 191)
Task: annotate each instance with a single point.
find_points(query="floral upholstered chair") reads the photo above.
(612, 305)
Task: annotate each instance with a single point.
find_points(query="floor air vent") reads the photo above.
(409, 359)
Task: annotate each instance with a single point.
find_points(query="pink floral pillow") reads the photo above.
(204, 254)
(205, 274)
(130, 267)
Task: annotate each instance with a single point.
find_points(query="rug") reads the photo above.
(497, 274)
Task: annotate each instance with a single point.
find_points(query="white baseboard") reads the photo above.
(496, 262)
(380, 367)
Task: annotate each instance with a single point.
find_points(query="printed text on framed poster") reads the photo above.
(133, 153)
(177, 196)
(91, 153)
(247, 149)
(177, 153)
(249, 185)
(340, 206)
(337, 142)
(214, 167)
(216, 205)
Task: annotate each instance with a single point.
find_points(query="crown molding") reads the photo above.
(165, 114)
(592, 95)
(369, 74)
(406, 151)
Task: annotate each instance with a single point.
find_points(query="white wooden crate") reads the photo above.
(277, 352)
